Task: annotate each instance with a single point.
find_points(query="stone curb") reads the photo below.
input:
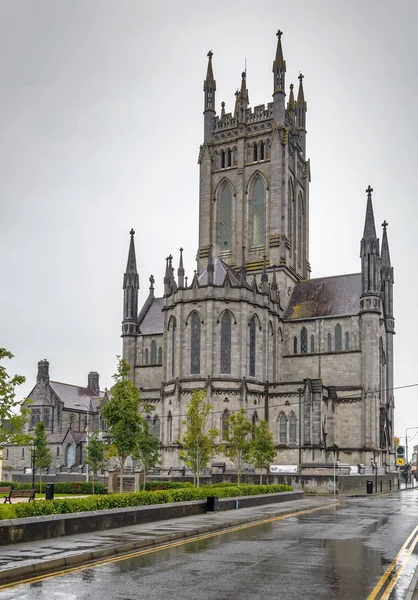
(17, 573)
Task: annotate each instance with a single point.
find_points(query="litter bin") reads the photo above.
(212, 504)
(49, 491)
(369, 485)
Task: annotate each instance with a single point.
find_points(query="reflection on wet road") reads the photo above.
(339, 553)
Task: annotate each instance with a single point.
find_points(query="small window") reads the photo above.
(312, 344)
(292, 428)
(329, 342)
(228, 157)
(160, 356)
(252, 341)
(156, 427)
(338, 338)
(226, 343)
(169, 427)
(23, 453)
(222, 159)
(261, 150)
(254, 422)
(282, 429)
(295, 345)
(195, 344)
(7, 452)
(146, 356)
(153, 352)
(304, 340)
(225, 424)
(255, 154)
(58, 451)
(347, 340)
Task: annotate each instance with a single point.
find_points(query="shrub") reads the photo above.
(70, 487)
(167, 485)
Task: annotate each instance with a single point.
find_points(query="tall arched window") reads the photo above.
(255, 156)
(292, 428)
(146, 361)
(295, 345)
(300, 229)
(282, 429)
(169, 427)
(254, 421)
(225, 424)
(225, 217)
(329, 342)
(258, 196)
(222, 159)
(160, 355)
(290, 213)
(226, 325)
(156, 427)
(252, 335)
(303, 340)
(347, 340)
(173, 346)
(153, 352)
(69, 455)
(228, 158)
(46, 418)
(338, 337)
(261, 150)
(195, 344)
(312, 344)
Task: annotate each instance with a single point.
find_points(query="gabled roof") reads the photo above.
(153, 320)
(73, 395)
(325, 297)
(220, 270)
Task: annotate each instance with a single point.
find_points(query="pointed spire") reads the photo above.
(167, 276)
(209, 85)
(291, 105)
(369, 226)
(385, 256)
(180, 270)
(243, 269)
(242, 100)
(222, 110)
(130, 287)
(279, 66)
(301, 105)
(131, 264)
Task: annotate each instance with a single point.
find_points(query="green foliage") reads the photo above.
(43, 457)
(123, 415)
(262, 448)
(11, 423)
(237, 446)
(105, 502)
(198, 443)
(95, 459)
(147, 449)
(72, 487)
(167, 485)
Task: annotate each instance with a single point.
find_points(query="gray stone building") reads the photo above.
(314, 357)
(67, 412)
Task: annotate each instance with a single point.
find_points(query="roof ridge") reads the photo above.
(85, 387)
(328, 277)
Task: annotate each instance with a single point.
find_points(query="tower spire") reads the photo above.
(130, 289)
(369, 225)
(370, 255)
(242, 100)
(209, 89)
(385, 255)
(301, 108)
(180, 270)
(279, 71)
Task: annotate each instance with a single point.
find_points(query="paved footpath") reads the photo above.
(24, 560)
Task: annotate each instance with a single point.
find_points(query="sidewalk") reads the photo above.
(25, 560)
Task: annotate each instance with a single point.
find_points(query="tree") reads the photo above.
(123, 413)
(43, 457)
(11, 424)
(395, 442)
(96, 455)
(147, 450)
(198, 443)
(262, 448)
(237, 447)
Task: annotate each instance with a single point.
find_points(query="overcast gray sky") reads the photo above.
(100, 127)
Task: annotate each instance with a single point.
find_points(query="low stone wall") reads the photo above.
(51, 526)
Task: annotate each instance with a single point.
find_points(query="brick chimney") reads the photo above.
(43, 371)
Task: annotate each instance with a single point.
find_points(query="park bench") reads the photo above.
(5, 489)
(29, 494)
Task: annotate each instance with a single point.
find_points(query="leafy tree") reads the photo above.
(11, 424)
(123, 413)
(96, 455)
(262, 448)
(198, 443)
(43, 457)
(237, 447)
(147, 450)
(395, 442)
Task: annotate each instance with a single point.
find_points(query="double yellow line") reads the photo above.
(391, 575)
(153, 549)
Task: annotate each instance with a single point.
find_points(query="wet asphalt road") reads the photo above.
(338, 553)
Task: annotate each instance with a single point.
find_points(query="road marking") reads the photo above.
(112, 559)
(395, 568)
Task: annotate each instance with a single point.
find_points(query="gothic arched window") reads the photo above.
(169, 427)
(225, 424)
(225, 217)
(153, 352)
(195, 343)
(226, 325)
(258, 198)
(255, 158)
(173, 345)
(261, 150)
(254, 421)
(303, 340)
(300, 229)
(46, 418)
(290, 213)
(347, 340)
(295, 345)
(338, 337)
(160, 355)
(312, 344)
(146, 356)
(282, 429)
(222, 159)
(228, 158)
(329, 342)
(292, 428)
(156, 427)
(252, 335)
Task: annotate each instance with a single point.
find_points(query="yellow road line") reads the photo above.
(153, 549)
(405, 560)
(383, 580)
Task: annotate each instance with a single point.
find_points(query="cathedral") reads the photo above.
(313, 357)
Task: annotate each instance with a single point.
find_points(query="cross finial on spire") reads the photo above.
(132, 232)
(369, 191)
(210, 54)
(279, 34)
(301, 77)
(151, 281)
(385, 224)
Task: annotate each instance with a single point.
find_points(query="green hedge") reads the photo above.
(151, 486)
(71, 487)
(73, 505)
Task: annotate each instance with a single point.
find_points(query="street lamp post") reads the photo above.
(300, 429)
(32, 459)
(87, 436)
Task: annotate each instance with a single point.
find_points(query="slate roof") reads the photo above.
(219, 274)
(74, 394)
(325, 297)
(153, 320)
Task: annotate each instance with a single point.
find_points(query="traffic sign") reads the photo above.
(400, 462)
